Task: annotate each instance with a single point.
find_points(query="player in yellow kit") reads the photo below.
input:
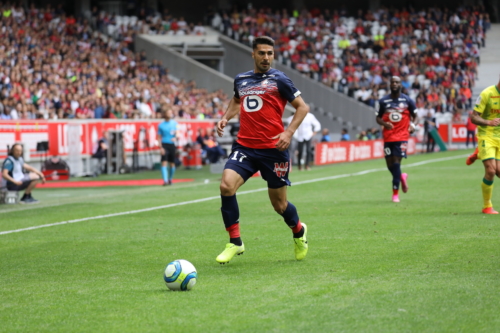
(486, 116)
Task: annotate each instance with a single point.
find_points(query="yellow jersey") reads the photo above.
(488, 105)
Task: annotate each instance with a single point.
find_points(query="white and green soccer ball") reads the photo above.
(180, 275)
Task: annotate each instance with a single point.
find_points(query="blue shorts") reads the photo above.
(397, 148)
(273, 164)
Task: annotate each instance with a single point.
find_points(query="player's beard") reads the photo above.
(263, 69)
(395, 91)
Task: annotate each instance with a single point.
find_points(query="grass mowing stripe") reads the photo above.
(360, 173)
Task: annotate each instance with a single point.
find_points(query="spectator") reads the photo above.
(101, 153)
(344, 135)
(325, 135)
(304, 135)
(430, 124)
(210, 146)
(471, 132)
(17, 180)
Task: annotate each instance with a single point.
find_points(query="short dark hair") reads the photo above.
(262, 40)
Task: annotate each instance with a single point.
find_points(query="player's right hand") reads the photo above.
(388, 126)
(220, 127)
(18, 182)
(494, 122)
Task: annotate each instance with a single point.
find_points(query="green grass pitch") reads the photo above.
(427, 264)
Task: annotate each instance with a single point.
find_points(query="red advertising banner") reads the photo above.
(350, 151)
(56, 132)
(458, 133)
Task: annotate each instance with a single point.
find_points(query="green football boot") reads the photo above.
(301, 245)
(229, 253)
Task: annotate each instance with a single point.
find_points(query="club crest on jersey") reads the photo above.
(280, 169)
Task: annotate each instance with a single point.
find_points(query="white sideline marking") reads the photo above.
(360, 173)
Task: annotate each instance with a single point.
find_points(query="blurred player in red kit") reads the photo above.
(396, 114)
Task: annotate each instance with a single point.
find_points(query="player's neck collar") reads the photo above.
(265, 73)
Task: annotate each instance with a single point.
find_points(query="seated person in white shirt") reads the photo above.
(17, 180)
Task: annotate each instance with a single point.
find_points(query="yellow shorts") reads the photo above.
(489, 148)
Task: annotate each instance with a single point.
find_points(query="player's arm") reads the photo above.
(380, 111)
(476, 119)
(301, 110)
(479, 108)
(384, 124)
(413, 115)
(232, 110)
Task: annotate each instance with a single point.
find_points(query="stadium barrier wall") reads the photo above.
(453, 133)
(352, 151)
(136, 134)
(181, 66)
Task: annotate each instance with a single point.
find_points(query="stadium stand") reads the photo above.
(436, 52)
(56, 66)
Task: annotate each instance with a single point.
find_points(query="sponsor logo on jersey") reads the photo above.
(244, 83)
(402, 99)
(265, 83)
(495, 111)
(251, 92)
(281, 169)
(244, 76)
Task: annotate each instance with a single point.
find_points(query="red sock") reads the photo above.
(395, 192)
(297, 228)
(234, 230)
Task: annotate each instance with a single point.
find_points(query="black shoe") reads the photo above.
(170, 182)
(31, 200)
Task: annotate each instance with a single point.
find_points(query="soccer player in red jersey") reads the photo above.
(396, 114)
(259, 98)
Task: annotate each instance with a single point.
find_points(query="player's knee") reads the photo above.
(279, 207)
(227, 189)
(491, 172)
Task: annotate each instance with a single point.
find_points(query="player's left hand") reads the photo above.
(283, 142)
(411, 128)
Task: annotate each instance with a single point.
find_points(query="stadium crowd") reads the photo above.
(436, 52)
(56, 66)
(89, 69)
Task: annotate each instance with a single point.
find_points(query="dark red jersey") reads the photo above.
(397, 111)
(263, 97)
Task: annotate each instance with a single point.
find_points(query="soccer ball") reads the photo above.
(180, 275)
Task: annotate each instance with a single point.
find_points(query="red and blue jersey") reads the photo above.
(263, 97)
(399, 112)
